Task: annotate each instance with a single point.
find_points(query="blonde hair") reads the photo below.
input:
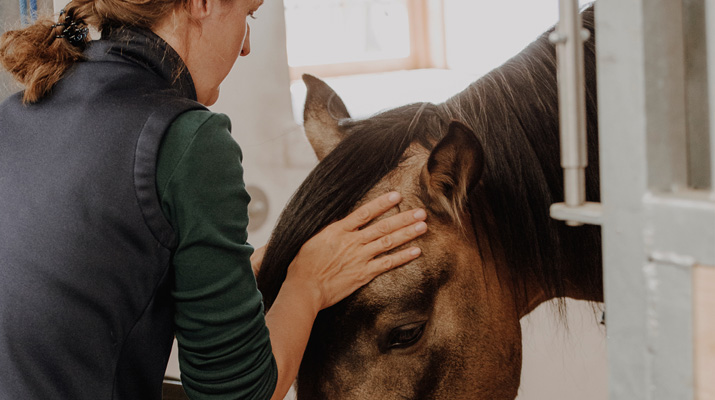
(38, 55)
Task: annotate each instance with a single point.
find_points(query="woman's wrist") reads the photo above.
(302, 293)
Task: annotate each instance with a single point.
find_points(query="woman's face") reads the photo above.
(216, 42)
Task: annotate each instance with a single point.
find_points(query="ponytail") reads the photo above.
(40, 54)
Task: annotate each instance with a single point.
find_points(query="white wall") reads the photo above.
(564, 360)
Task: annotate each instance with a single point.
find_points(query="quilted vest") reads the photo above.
(85, 279)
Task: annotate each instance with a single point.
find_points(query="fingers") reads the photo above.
(390, 261)
(396, 239)
(392, 224)
(369, 211)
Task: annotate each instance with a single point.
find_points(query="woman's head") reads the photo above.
(209, 37)
(38, 56)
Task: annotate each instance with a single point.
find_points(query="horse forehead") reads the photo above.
(396, 284)
(405, 286)
(403, 179)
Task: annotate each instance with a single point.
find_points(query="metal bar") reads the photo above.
(664, 50)
(710, 45)
(588, 213)
(569, 37)
(696, 94)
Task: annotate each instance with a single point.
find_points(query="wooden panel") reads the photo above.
(704, 331)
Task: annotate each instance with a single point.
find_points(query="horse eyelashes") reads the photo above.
(405, 336)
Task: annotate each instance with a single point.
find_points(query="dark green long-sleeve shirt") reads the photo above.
(224, 347)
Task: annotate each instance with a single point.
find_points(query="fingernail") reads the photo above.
(420, 227)
(415, 251)
(420, 214)
(394, 197)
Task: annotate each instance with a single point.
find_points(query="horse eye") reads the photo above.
(406, 335)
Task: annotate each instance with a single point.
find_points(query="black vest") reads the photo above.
(85, 301)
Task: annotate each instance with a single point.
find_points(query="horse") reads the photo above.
(485, 166)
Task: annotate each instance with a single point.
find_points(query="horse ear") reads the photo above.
(323, 110)
(453, 169)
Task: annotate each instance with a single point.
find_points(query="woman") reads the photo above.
(124, 215)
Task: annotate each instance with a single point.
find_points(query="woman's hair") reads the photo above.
(38, 55)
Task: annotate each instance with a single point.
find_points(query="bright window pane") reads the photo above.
(483, 34)
(339, 31)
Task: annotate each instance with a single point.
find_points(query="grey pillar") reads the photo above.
(657, 225)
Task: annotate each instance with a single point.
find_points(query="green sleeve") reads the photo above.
(224, 347)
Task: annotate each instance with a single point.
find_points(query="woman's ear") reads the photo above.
(200, 9)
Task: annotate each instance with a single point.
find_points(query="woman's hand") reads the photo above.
(342, 257)
(331, 265)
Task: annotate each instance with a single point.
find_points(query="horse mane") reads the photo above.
(513, 110)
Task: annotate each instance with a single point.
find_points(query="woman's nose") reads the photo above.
(246, 42)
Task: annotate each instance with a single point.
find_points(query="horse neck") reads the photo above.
(528, 290)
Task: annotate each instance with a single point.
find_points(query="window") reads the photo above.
(342, 37)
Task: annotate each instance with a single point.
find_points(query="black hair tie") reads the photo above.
(74, 31)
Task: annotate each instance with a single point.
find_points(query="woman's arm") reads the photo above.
(224, 344)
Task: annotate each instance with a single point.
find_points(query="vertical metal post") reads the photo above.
(696, 94)
(568, 38)
(710, 46)
(572, 101)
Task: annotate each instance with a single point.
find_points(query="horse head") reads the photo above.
(446, 317)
